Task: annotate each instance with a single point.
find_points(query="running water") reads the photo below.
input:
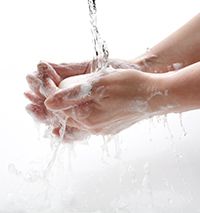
(100, 60)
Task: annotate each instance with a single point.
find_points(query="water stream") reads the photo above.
(100, 60)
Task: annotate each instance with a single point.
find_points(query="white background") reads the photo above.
(166, 167)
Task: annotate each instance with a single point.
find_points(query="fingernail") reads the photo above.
(42, 66)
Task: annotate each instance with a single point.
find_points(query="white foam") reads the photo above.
(177, 66)
(85, 82)
(138, 105)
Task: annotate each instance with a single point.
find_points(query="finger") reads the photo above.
(48, 87)
(71, 134)
(55, 131)
(34, 84)
(66, 98)
(66, 70)
(72, 123)
(37, 112)
(47, 71)
(35, 99)
(74, 134)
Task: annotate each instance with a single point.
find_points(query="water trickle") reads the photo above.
(100, 63)
(166, 124)
(150, 129)
(181, 124)
(105, 150)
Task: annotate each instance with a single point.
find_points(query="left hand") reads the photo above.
(43, 83)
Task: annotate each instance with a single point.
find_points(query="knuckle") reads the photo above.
(99, 89)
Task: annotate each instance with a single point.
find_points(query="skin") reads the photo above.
(182, 46)
(145, 82)
(48, 76)
(129, 97)
(108, 107)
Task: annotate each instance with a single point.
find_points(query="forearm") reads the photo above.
(177, 91)
(180, 49)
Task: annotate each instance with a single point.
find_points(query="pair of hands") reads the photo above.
(116, 99)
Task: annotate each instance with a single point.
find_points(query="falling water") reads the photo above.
(100, 60)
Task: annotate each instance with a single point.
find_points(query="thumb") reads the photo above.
(67, 98)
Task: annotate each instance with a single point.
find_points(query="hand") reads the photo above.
(114, 101)
(45, 81)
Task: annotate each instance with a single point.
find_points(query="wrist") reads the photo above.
(151, 93)
(146, 62)
(155, 63)
(162, 97)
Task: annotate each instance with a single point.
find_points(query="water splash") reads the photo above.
(35, 175)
